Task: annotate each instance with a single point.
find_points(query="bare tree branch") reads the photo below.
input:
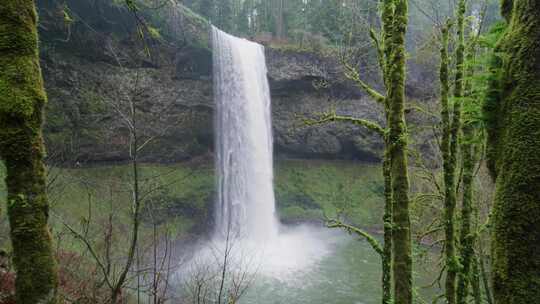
(334, 223)
(332, 116)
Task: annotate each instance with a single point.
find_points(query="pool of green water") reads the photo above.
(349, 273)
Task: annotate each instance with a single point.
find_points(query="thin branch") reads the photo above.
(332, 116)
(352, 74)
(89, 247)
(380, 53)
(333, 223)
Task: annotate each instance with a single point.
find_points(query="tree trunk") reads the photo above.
(448, 171)
(450, 163)
(514, 126)
(22, 99)
(469, 160)
(387, 220)
(466, 237)
(401, 233)
(116, 292)
(484, 276)
(475, 281)
(279, 22)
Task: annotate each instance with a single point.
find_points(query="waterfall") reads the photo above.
(245, 204)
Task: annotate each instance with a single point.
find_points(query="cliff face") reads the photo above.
(91, 71)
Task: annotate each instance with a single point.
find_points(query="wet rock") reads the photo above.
(90, 76)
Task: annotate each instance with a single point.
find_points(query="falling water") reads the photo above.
(245, 206)
(245, 203)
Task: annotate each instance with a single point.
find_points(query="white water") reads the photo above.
(245, 203)
(300, 264)
(247, 228)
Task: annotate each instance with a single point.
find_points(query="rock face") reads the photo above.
(94, 74)
(304, 85)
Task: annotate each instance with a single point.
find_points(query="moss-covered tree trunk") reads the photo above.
(396, 252)
(450, 162)
(448, 170)
(514, 126)
(475, 281)
(469, 161)
(22, 99)
(387, 221)
(466, 237)
(401, 233)
(387, 17)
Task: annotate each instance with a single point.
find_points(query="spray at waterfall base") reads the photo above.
(247, 235)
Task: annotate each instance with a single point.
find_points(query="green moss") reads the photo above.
(22, 98)
(516, 160)
(20, 76)
(453, 134)
(195, 29)
(397, 147)
(469, 163)
(20, 85)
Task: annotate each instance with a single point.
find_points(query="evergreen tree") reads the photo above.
(207, 9)
(225, 16)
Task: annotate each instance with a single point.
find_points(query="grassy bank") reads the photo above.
(180, 197)
(305, 190)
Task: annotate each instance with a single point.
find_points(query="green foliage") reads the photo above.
(486, 89)
(479, 105)
(333, 19)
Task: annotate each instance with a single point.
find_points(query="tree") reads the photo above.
(449, 146)
(22, 99)
(219, 274)
(448, 171)
(461, 132)
(207, 9)
(469, 272)
(401, 230)
(279, 19)
(126, 101)
(225, 15)
(512, 110)
(396, 253)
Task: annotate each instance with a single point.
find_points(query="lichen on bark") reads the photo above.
(22, 99)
